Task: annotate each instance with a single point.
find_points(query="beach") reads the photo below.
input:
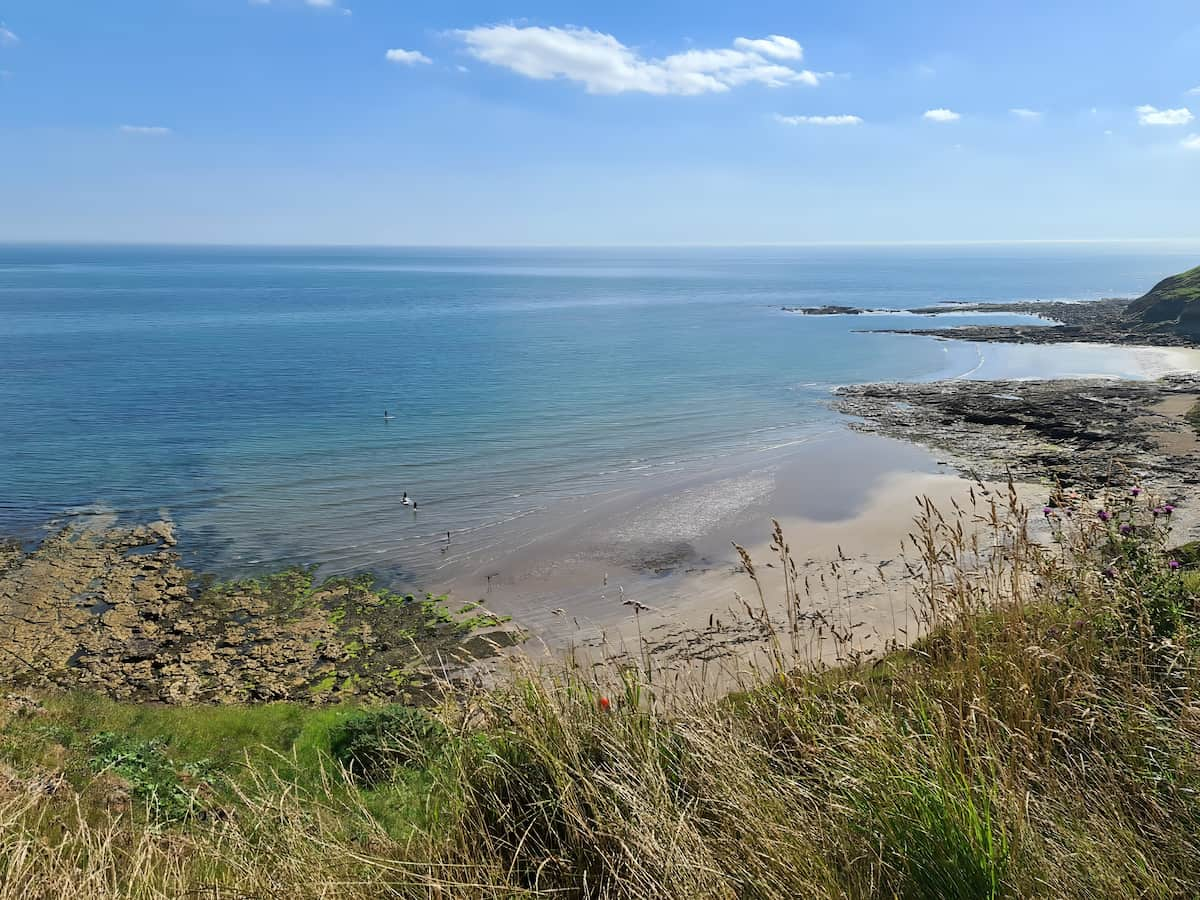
(585, 436)
(669, 544)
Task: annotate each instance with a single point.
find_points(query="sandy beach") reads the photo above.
(655, 569)
(661, 575)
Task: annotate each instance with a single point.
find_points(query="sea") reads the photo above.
(277, 404)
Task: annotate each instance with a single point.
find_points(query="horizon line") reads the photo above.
(600, 245)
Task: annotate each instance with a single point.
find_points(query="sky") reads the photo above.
(620, 123)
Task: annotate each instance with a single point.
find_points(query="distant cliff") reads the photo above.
(1168, 316)
(1172, 305)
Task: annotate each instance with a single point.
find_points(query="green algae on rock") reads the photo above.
(113, 611)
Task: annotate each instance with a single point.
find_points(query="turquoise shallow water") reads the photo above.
(241, 391)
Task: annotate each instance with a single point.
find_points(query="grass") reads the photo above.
(1039, 738)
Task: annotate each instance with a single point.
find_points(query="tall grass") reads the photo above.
(1040, 736)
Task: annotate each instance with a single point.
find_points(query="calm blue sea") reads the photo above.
(242, 391)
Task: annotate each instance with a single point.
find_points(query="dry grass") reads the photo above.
(1039, 739)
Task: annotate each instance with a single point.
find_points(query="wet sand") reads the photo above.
(654, 567)
(658, 572)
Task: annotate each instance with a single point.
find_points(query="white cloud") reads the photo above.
(1028, 114)
(407, 57)
(146, 130)
(315, 4)
(941, 115)
(8, 37)
(818, 120)
(775, 45)
(1195, 91)
(1191, 142)
(1148, 115)
(606, 66)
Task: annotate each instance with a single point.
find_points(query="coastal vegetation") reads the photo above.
(1172, 305)
(1167, 315)
(1038, 737)
(1033, 731)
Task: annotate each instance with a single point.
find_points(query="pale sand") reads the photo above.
(1184, 440)
(847, 510)
(1071, 360)
(651, 544)
(855, 569)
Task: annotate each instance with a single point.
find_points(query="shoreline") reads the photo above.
(655, 567)
(1106, 321)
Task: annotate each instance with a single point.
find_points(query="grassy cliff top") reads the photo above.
(1174, 301)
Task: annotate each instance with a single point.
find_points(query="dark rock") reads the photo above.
(1167, 316)
(1077, 433)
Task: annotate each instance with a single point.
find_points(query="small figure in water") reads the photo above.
(447, 537)
(405, 501)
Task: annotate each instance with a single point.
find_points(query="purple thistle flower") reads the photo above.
(1104, 515)
(1111, 572)
(1047, 511)
(1173, 565)
(1168, 509)
(1126, 528)
(1136, 491)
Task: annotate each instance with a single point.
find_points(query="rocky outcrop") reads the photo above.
(1167, 316)
(112, 610)
(1083, 434)
(825, 310)
(1171, 306)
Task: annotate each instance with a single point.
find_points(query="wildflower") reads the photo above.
(1126, 529)
(1110, 572)
(1104, 515)
(1173, 565)
(605, 704)
(1047, 511)
(1136, 492)
(1168, 509)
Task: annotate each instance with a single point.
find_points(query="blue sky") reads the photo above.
(244, 121)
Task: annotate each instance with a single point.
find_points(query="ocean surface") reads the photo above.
(242, 391)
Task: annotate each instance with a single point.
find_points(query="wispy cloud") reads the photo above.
(407, 57)
(315, 4)
(1029, 115)
(1195, 91)
(8, 37)
(775, 45)
(818, 120)
(941, 115)
(603, 65)
(146, 130)
(1149, 115)
(1191, 142)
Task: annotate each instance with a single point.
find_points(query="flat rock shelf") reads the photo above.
(111, 610)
